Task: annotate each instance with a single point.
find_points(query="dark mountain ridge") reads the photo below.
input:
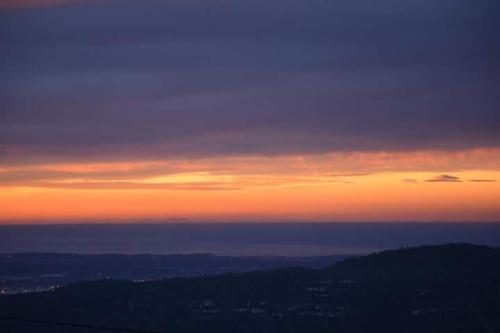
(448, 288)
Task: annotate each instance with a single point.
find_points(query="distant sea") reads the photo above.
(241, 239)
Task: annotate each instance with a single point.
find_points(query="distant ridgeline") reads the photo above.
(449, 288)
(28, 272)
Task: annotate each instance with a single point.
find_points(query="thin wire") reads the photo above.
(76, 325)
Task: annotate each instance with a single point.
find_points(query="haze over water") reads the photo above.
(283, 239)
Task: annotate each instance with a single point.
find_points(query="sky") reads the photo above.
(262, 110)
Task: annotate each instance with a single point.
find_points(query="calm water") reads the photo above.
(241, 239)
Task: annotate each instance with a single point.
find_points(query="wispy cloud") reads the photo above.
(352, 174)
(483, 180)
(194, 186)
(107, 174)
(444, 179)
(410, 181)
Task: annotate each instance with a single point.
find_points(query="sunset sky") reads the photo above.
(249, 110)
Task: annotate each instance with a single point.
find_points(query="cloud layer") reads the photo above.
(166, 79)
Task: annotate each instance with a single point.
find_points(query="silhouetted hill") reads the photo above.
(451, 288)
(431, 262)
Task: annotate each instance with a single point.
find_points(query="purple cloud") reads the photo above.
(195, 78)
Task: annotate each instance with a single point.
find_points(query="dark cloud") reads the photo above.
(197, 78)
(444, 179)
(483, 180)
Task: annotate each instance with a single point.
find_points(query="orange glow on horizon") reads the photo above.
(421, 186)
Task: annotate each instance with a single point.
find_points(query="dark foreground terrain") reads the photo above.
(451, 288)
